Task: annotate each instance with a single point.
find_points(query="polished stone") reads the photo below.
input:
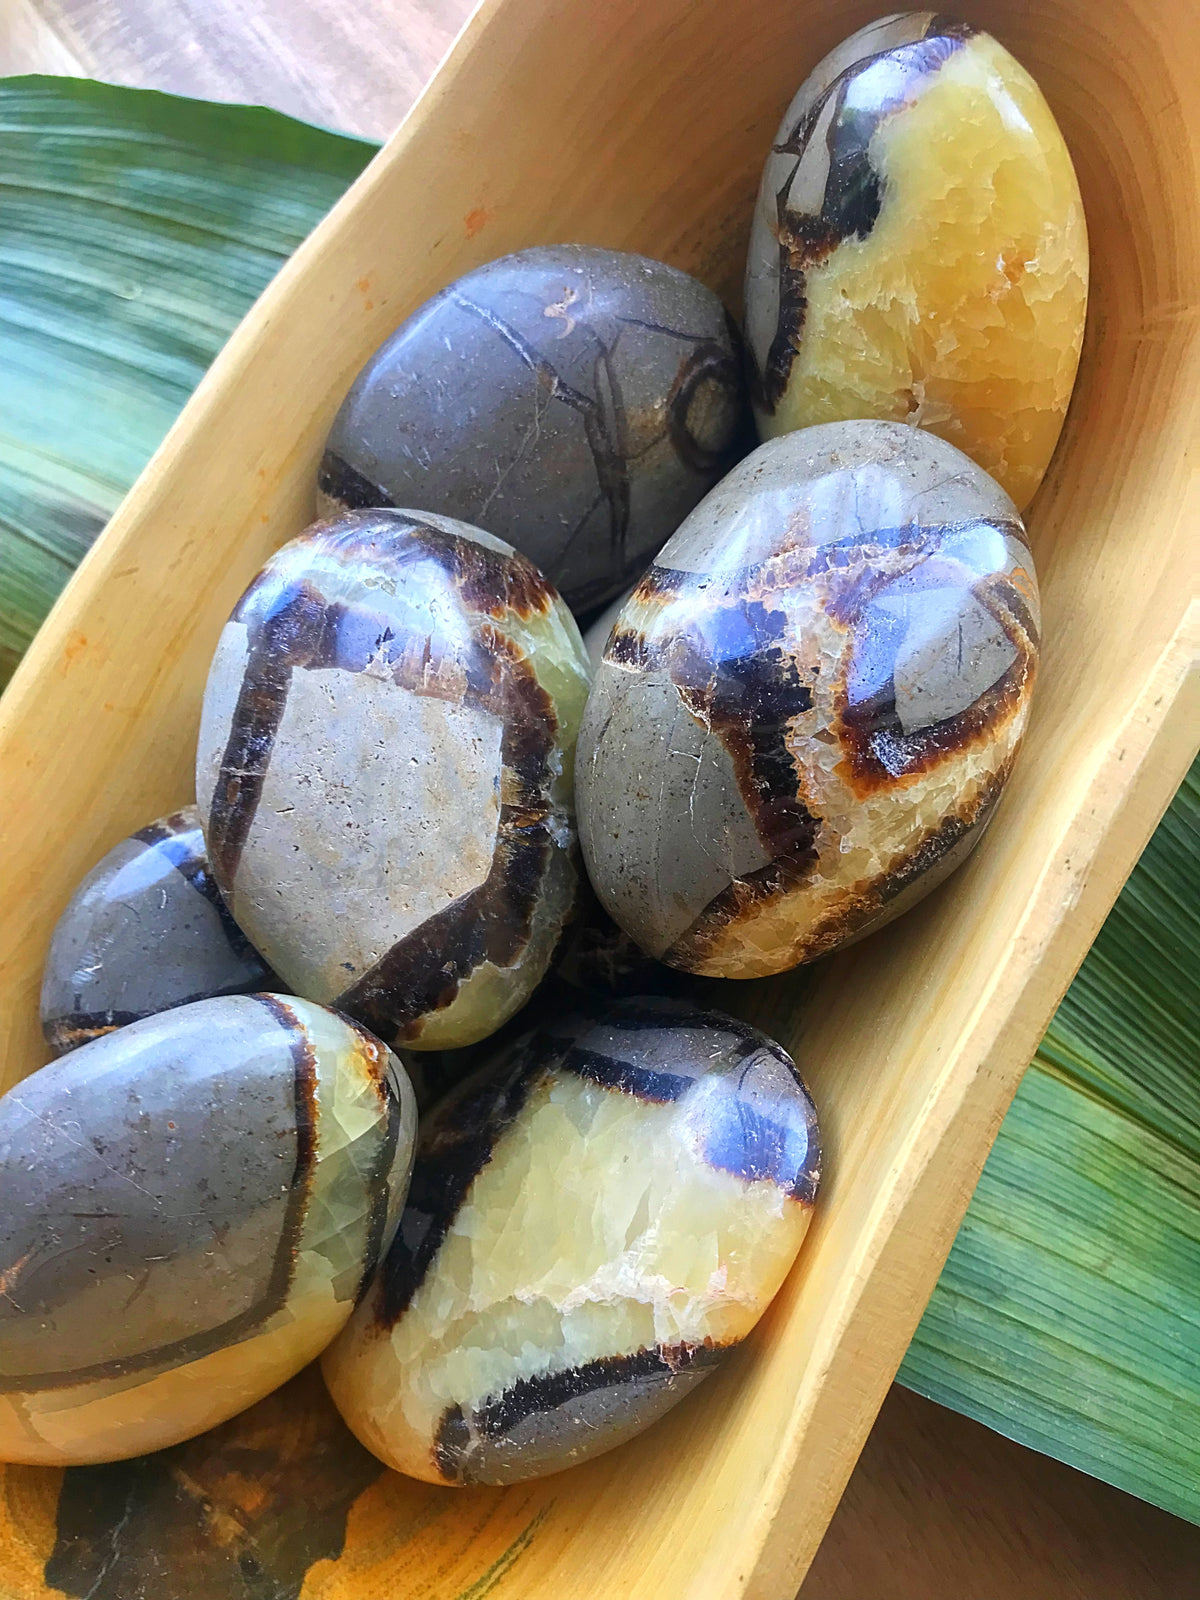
(598, 631)
(594, 1220)
(808, 709)
(576, 402)
(145, 930)
(191, 1208)
(385, 771)
(919, 251)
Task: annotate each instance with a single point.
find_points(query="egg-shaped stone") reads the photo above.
(385, 772)
(808, 709)
(145, 930)
(919, 251)
(191, 1208)
(594, 1220)
(574, 401)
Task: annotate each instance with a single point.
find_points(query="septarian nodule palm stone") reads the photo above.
(919, 251)
(385, 770)
(575, 401)
(144, 931)
(191, 1207)
(594, 1219)
(808, 708)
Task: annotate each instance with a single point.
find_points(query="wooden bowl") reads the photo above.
(642, 124)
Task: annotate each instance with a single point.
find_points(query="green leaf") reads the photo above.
(135, 231)
(1068, 1313)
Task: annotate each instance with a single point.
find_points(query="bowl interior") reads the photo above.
(639, 126)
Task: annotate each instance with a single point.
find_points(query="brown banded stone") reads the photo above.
(919, 251)
(595, 1218)
(385, 772)
(807, 710)
(192, 1205)
(145, 930)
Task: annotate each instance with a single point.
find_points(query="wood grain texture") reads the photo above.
(357, 68)
(915, 1042)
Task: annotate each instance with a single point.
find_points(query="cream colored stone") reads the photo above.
(375, 797)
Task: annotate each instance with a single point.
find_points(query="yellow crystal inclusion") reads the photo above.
(962, 310)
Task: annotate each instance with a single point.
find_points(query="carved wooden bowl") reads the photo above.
(642, 124)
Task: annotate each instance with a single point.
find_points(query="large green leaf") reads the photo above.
(1068, 1314)
(135, 230)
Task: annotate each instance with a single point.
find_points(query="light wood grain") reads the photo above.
(628, 125)
(353, 67)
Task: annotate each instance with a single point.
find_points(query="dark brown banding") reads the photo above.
(495, 583)
(941, 840)
(1001, 595)
(345, 484)
(459, 1435)
(944, 26)
(169, 837)
(643, 1083)
(869, 905)
(858, 567)
(166, 828)
(67, 1032)
(278, 1284)
(731, 668)
(875, 751)
(378, 1182)
(304, 1066)
(290, 635)
(500, 586)
(851, 200)
(423, 972)
(708, 363)
(865, 905)
(734, 903)
(732, 1134)
(455, 1147)
(875, 747)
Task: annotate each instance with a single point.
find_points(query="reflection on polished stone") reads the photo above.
(191, 1207)
(919, 252)
(807, 711)
(595, 1219)
(385, 772)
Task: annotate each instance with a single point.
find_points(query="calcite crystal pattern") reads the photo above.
(385, 769)
(808, 709)
(145, 930)
(594, 1220)
(919, 251)
(576, 402)
(191, 1208)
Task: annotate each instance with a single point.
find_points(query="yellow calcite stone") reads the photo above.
(919, 251)
(595, 1219)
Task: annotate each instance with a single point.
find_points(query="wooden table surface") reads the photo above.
(938, 1508)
